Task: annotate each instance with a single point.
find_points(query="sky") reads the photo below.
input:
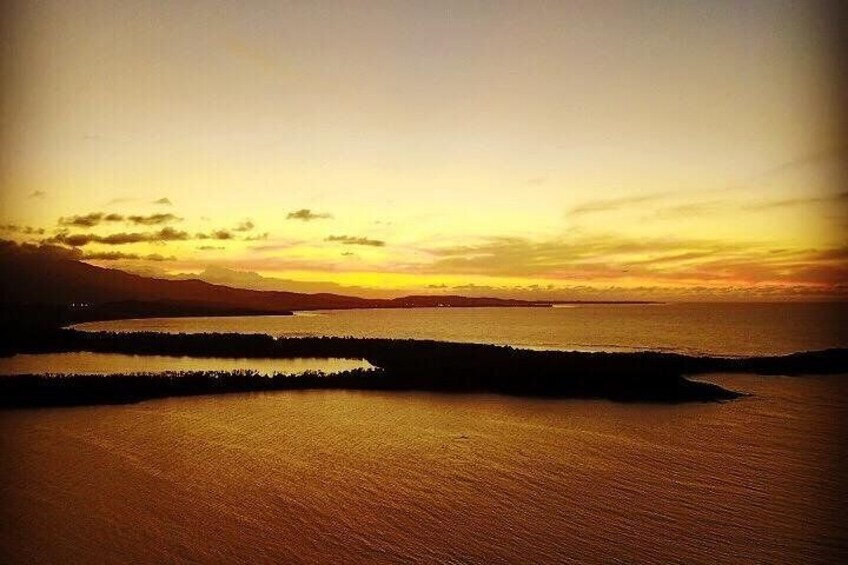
(570, 150)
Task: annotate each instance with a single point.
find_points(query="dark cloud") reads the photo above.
(211, 247)
(246, 225)
(86, 221)
(43, 250)
(163, 202)
(351, 240)
(153, 219)
(119, 256)
(348, 254)
(258, 237)
(612, 204)
(217, 234)
(96, 218)
(165, 234)
(125, 238)
(74, 240)
(169, 234)
(24, 230)
(90, 220)
(307, 215)
(157, 257)
(82, 239)
(37, 194)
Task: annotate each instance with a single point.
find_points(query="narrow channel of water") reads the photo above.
(87, 363)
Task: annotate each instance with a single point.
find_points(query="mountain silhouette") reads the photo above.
(48, 285)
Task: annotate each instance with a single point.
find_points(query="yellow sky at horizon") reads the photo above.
(435, 145)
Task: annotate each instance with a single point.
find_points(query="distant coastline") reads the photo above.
(40, 288)
(603, 302)
(40, 293)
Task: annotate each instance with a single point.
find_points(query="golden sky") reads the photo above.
(557, 149)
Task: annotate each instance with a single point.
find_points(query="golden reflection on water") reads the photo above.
(114, 363)
(722, 329)
(335, 476)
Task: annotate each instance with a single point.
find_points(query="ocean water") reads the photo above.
(368, 477)
(722, 329)
(351, 477)
(87, 363)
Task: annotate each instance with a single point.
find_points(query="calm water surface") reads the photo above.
(350, 477)
(346, 477)
(724, 329)
(87, 363)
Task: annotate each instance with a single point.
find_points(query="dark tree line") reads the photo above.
(403, 365)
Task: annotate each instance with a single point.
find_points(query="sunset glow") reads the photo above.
(562, 150)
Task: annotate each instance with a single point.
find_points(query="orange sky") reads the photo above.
(543, 149)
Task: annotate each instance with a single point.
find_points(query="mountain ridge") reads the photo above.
(53, 282)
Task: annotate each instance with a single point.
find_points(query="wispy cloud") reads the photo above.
(11, 248)
(83, 239)
(90, 220)
(163, 202)
(800, 201)
(93, 219)
(729, 206)
(277, 246)
(612, 204)
(153, 219)
(690, 209)
(217, 234)
(37, 194)
(246, 225)
(671, 260)
(812, 158)
(307, 215)
(120, 256)
(351, 240)
(24, 230)
(233, 234)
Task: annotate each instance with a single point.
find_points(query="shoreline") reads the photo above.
(54, 391)
(403, 365)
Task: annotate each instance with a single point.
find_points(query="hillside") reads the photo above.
(48, 282)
